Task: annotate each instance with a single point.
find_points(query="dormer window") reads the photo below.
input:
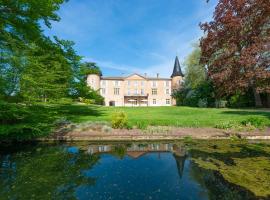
(142, 83)
(116, 83)
(154, 84)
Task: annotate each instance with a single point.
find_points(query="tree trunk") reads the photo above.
(257, 97)
(268, 100)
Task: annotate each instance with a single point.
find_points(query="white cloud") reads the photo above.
(96, 26)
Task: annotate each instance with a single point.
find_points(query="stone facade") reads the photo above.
(137, 90)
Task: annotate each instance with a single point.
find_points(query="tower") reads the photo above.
(177, 77)
(93, 81)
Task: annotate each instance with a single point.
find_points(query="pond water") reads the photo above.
(177, 170)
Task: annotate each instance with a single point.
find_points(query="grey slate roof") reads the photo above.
(124, 77)
(177, 69)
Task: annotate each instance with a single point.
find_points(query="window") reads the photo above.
(154, 83)
(103, 83)
(167, 84)
(154, 101)
(103, 91)
(142, 91)
(136, 83)
(129, 83)
(168, 101)
(128, 91)
(116, 83)
(142, 83)
(180, 82)
(154, 91)
(167, 91)
(136, 91)
(116, 91)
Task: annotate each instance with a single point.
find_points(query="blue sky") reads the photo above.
(133, 36)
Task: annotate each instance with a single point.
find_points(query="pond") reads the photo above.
(160, 170)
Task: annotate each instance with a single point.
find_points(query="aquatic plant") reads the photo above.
(239, 162)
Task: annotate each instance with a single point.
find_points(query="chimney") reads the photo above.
(157, 75)
(145, 74)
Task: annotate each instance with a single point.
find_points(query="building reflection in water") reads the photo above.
(137, 150)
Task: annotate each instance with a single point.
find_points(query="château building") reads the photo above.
(138, 90)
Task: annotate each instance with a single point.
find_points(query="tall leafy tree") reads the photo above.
(195, 71)
(48, 72)
(197, 89)
(79, 85)
(236, 47)
(23, 44)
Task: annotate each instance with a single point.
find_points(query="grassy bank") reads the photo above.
(21, 121)
(176, 116)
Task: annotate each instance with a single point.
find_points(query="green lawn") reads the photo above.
(174, 116)
(19, 121)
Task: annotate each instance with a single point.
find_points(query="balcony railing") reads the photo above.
(135, 95)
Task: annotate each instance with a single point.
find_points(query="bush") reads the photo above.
(19, 121)
(202, 103)
(203, 95)
(226, 125)
(254, 121)
(220, 104)
(141, 125)
(62, 101)
(87, 101)
(241, 100)
(248, 124)
(119, 120)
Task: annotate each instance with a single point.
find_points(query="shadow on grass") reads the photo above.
(72, 112)
(22, 122)
(248, 112)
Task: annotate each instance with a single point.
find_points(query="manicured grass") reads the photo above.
(175, 116)
(19, 121)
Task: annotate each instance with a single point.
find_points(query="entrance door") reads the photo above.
(112, 103)
(135, 102)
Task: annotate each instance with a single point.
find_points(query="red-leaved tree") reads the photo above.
(236, 47)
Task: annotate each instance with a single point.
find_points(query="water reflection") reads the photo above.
(119, 171)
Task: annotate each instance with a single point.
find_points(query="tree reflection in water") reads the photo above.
(135, 171)
(46, 172)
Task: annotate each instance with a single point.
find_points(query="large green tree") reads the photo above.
(197, 89)
(33, 65)
(195, 71)
(47, 72)
(79, 87)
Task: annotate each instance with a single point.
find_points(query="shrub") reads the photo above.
(88, 101)
(229, 125)
(202, 95)
(19, 121)
(241, 100)
(254, 121)
(141, 125)
(62, 101)
(225, 125)
(119, 120)
(202, 103)
(220, 104)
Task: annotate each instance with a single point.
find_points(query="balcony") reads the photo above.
(135, 95)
